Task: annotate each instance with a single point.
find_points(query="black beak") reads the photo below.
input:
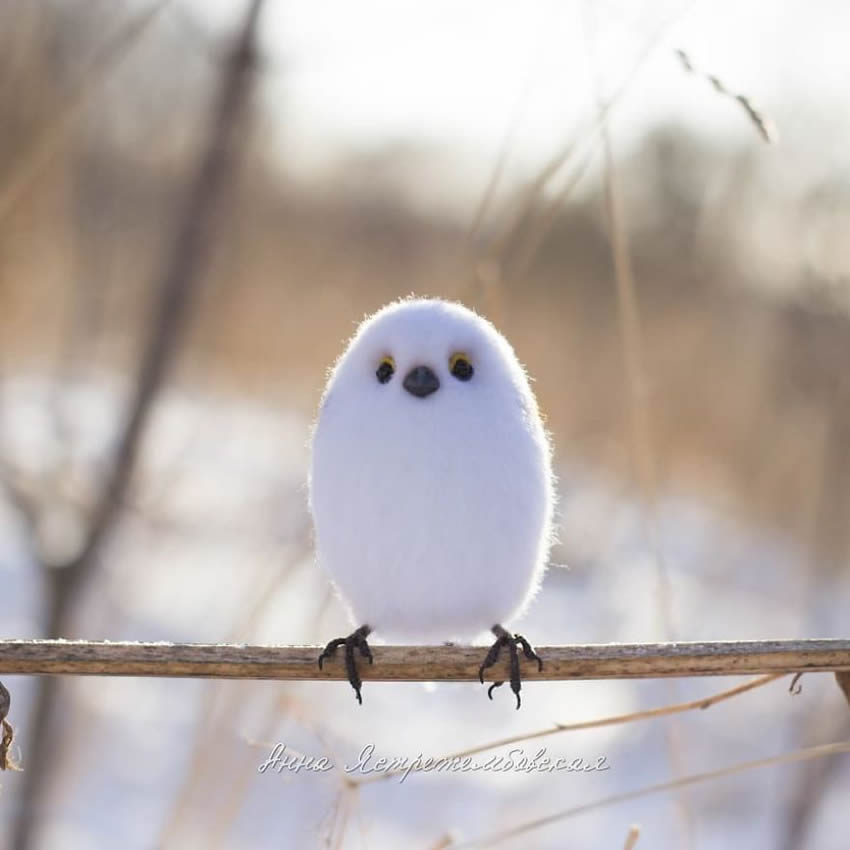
(421, 381)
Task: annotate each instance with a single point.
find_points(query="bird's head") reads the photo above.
(423, 353)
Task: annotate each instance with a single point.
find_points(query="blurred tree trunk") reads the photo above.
(182, 272)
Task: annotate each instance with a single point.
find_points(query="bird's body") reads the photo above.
(431, 493)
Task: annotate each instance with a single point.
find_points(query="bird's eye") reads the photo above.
(460, 366)
(385, 370)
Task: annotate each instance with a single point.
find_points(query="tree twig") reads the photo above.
(615, 720)
(421, 663)
(764, 126)
(643, 449)
(523, 214)
(692, 779)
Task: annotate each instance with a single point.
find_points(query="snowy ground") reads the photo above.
(216, 546)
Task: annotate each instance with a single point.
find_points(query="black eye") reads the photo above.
(460, 366)
(385, 370)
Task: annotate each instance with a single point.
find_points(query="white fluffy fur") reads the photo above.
(432, 515)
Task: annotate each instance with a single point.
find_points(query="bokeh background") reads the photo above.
(189, 233)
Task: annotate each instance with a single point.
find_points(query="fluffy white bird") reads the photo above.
(431, 484)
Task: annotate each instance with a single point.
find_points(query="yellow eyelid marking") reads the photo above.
(458, 355)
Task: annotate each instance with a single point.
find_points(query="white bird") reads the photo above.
(431, 483)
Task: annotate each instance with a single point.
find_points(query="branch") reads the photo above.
(181, 275)
(692, 779)
(598, 723)
(421, 663)
(765, 127)
(535, 191)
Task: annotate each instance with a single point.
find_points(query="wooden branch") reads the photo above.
(421, 663)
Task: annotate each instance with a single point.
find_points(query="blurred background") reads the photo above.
(198, 203)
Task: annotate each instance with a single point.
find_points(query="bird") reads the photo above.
(431, 486)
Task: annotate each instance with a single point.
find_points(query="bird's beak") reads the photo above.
(421, 381)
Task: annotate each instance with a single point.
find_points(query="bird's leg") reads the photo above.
(506, 639)
(356, 640)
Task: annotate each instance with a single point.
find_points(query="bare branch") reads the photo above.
(524, 213)
(615, 720)
(693, 779)
(643, 451)
(422, 663)
(181, 275)
(764, 126)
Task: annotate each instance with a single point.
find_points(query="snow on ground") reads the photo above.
(215, 546)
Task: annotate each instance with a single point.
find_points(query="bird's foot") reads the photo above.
(356, 640)
(506, 639)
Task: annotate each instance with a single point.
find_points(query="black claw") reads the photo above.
(505, 639)
(357, 639)
(330, 649)
(529, 653)
(491, 658)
